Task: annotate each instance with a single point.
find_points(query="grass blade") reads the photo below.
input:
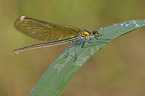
(55, 79)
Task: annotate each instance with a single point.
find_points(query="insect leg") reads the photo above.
(83, 43)
(68, 49)
(75, 52)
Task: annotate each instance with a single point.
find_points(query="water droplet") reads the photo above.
(122, 24)
(92, 51)
(104, 28)
(58, 67)
(137, 25)
(80, 63)
(127, 25)
(134, 21)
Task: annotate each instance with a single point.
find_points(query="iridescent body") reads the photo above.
(54, 34)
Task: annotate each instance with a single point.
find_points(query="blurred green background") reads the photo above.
(116, 70)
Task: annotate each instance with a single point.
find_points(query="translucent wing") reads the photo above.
(45, 31)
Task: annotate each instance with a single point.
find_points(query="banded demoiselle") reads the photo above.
(54, 34)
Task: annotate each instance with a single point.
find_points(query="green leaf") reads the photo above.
(58, 75)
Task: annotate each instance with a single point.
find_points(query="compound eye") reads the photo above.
(96, 33)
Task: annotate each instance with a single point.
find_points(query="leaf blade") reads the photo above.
(55, 79)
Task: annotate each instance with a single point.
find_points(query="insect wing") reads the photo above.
(45, 31)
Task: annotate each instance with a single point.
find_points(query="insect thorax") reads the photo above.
(85, 34)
